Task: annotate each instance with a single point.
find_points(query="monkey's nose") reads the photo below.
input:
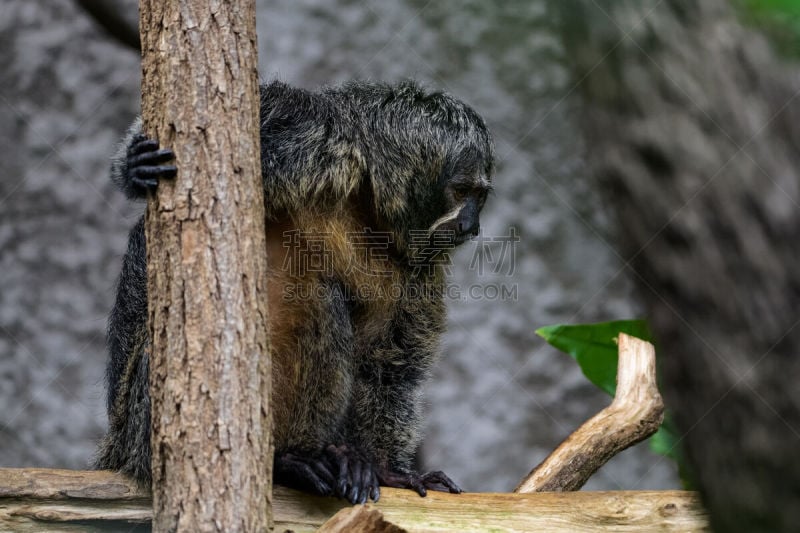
(472, 230)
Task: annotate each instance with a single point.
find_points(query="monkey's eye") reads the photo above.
(461, 191)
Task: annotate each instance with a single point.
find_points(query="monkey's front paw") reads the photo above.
(310, 474)
(357, 479)
(436, 480)
(145, 164)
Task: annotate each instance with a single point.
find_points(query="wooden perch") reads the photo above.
(635, 414)
(70, 500)
(65, 500)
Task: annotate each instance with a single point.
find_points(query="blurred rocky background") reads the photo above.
(500, 399)
(692, 120)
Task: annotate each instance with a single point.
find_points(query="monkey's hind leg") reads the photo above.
(387, 398)
(313, 453)
(126, 447)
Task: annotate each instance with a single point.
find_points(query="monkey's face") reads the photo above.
(430, 165)
(463, 197)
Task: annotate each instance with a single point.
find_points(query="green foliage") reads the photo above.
(781, 8)
(594, 347)
(779, 19)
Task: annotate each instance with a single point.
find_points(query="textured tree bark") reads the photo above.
(210, 367)
(692, 128)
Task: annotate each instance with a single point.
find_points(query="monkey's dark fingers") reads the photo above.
(137, 138)
(374, 487)
(148, 177)
(151, 158)
(369, 484)
(415, 483)
(434, 480)
(158, 171)
(322, 470)
(141, 144)
(353, 495)
(293, 471)
(145, 183)
(364, 483)
(341, 459)
(401, 480)
(357, 479)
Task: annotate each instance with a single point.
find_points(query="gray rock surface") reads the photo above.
(500, 400)
(697, 133)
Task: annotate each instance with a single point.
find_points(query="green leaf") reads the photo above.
(665, 440)
(787, 8)
(778, 19)
(594, 348)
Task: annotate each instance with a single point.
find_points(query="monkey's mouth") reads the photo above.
(461, 238)
(464, 234)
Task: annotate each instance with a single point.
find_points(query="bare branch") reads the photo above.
(635, 414)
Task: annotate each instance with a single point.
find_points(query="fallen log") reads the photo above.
(69, 500)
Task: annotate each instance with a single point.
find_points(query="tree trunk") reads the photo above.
(692, 129)
(210, 366)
